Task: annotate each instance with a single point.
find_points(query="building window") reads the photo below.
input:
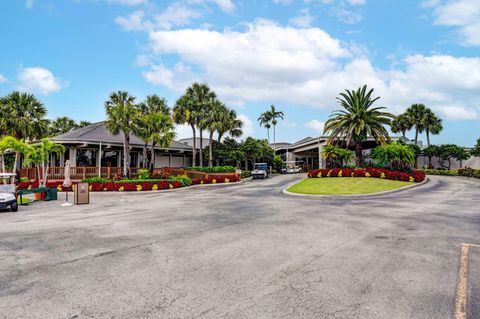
(86, 158)
(110, 159)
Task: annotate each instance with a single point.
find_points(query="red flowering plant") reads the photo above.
(415, 176)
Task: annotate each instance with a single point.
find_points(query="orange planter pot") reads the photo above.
(40, 196)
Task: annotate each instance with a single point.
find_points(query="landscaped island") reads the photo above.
(354, 181)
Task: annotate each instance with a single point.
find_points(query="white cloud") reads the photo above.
(248, 128)
(29, 4)
(316, 126)
(225, 5)
(128, 2)
(462, 14)
(303, 19)
(269, 63)
(133, 22)
(3, 79)
(38, 80)
(176, 15)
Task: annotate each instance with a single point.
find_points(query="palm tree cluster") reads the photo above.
(358, 120)
(419, 117)
(200, 108)
(270, 118)
(64, 124)
(151, 120)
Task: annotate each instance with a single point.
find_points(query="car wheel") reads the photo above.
(14, 207)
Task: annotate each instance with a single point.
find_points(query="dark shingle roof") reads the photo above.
(97, 132)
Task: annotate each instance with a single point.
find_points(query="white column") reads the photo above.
(73, 157)
(100, 160)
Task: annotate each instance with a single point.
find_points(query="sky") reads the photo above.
(296, 54)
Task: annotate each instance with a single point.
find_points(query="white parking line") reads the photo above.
(462, 283)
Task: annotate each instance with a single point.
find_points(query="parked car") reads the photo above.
(260, 171)
(7, 192)
(291, 169)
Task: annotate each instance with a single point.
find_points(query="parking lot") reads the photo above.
(243, 251)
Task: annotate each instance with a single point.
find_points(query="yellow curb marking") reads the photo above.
(462, 284)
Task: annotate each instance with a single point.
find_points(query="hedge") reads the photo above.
(215, 169)
(415, 176)
(455, 172)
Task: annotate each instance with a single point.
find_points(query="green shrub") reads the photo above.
(138, 180)
(24, 179)
(246, 174)
(186, 181)
(96, 180)
(441, 172)
(215, 169)
(144, 174)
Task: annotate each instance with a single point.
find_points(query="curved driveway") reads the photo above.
(242, 251)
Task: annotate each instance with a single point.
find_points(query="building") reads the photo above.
(95, 146)
(307, 151)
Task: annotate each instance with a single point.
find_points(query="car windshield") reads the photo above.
(261, 166)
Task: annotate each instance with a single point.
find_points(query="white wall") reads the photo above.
(473, 162)
(161, 161)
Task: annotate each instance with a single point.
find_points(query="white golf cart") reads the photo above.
(291, 167)
(7, 192)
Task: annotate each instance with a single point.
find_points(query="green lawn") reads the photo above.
(345, 186)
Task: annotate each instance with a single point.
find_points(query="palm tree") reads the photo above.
(214, 121)
(202, 97)
(231, 125)
(415, 114)
(62, 125)
(358, 120)
(152, 104)
(121, 112)
(265, 120)
(84, 123)
(183, 113)
(22, 116)
(39, 154)
(16, 145)
(401, 124)
(161, 132)
(432, 124)
(274, 115)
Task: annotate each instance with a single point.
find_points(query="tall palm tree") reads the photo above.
(121, 112)
(184, 113)
(203, 98)
(415, 113)
(22, 115)
(161, 132)
(358, 120)
(274, 115)
(231, 125)
(401, 124)
(84, 123)
(214, 121)
(152, 104)
(432, 124)
(62, 125)
(265, 120)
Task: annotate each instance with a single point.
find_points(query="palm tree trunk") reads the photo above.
(416, 135)
(145, 159)
(126, 155)
(358, 154)
(428, 137)
(152, 157)
(201, 149)
(194, 146)
(268, 135)
(220, 135)
(210, 150)
(274, 153)
(404, 135)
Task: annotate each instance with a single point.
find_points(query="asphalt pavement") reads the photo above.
(243, 251)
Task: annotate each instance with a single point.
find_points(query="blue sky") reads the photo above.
(295, 54)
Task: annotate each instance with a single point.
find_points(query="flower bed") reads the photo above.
(132, 185)
(415, 176)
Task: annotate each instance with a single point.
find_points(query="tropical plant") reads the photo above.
(22, 115)
(358, 120)
(213, 121)
(431, 151)
(476, 149)
(62, 125)
(431, 124)
(202, 98)
(274, 115)
(265, 120)
(142, 127)
(401, 124)
(160, 131)
(394, 156)
(336, 156)
(231, 125)
(416, 114)
(121, 112)
(40, 155)
(13, 144)
(83, 124)
(184, 113)
(447, 152)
